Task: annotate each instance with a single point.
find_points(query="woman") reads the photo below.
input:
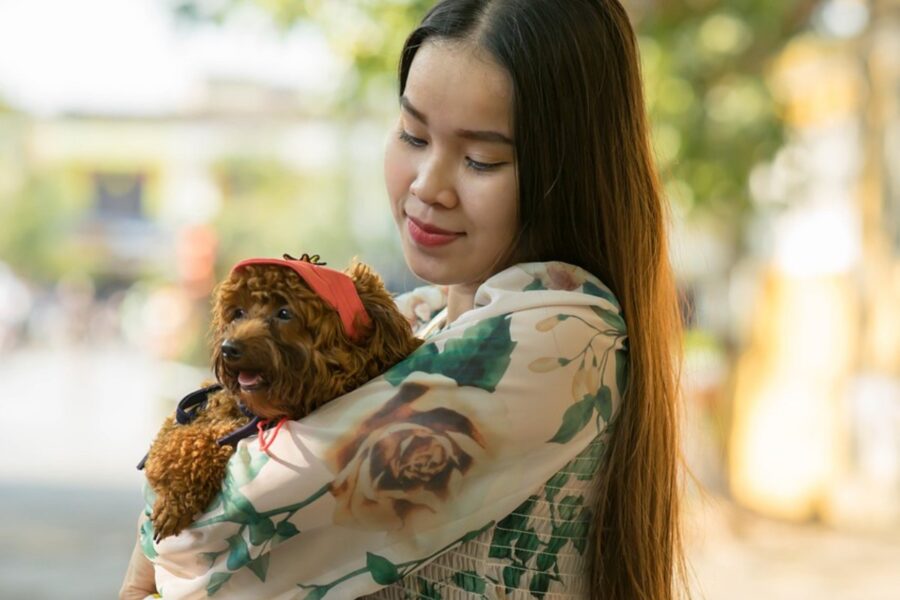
(530, 448)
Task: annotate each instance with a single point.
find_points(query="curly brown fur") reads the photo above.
(281, 350)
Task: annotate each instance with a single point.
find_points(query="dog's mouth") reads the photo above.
(250, 381)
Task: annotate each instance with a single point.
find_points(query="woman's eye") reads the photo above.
(412, 141)
(284, 314)
(238, 313)
(481, 166)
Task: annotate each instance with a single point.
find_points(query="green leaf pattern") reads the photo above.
(532, 559)
(479, 358)
(599, 399)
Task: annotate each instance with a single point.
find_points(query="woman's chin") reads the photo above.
(431, 270)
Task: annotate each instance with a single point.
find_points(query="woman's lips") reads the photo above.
(428, 235)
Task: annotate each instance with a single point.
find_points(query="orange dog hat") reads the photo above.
(334, 287)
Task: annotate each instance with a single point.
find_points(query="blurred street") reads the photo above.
(78, 420)
(91, 413)
(738, 555)
(65, 543)
(69, 495)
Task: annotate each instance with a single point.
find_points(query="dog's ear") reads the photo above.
(221, 297)
(365, 279)
(390, 338)
(218, 310)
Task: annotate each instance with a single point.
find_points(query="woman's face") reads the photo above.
(450, 165)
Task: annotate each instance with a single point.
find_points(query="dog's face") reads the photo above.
(283, 350)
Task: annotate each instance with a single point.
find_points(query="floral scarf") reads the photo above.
(381, 481)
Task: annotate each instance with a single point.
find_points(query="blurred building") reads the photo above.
(232, 126)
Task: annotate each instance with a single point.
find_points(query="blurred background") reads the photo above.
(146, 146)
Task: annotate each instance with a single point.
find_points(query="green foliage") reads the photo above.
(369, 34)
(704, 67)
(269, 208)
(36, 224)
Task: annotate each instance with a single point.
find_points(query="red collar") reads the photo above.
(334, 287)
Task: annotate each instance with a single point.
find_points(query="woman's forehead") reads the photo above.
(459, 86)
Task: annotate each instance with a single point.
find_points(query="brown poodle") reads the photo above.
(280, 349)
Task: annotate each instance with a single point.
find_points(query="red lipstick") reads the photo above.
(427, 235)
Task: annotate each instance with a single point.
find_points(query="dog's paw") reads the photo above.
(167, 521)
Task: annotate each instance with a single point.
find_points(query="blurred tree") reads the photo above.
(35, 226)
(705, 68)
(369, 33)
(269, 208)
(705, 64)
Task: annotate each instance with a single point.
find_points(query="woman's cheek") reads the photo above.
(498, 205)
(397, 176)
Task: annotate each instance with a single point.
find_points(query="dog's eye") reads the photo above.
(284, 314)
(238, 313)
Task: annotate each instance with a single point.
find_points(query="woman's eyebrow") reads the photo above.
(484, 136)
(415, 112)
(478, 136)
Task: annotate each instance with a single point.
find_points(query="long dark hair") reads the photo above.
(589, 195)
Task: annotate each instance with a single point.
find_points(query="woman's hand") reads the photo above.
(139, 580)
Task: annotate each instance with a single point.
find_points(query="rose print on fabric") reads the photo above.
(401, 460)
(560, 276)
(564, 277)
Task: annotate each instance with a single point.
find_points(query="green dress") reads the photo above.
(465, 471)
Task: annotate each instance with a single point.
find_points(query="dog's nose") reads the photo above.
(231, 350)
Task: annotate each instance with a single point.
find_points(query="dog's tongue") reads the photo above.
(249, 378)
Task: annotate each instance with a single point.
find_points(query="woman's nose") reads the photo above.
(434, 185)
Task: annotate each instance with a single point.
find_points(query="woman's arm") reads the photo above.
(384, 479)
(139, 581)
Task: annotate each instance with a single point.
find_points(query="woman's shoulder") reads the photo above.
(551, 276)
(524, 286)
(547, 285)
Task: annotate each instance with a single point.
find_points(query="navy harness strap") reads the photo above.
(191, 405)
(246, 431)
